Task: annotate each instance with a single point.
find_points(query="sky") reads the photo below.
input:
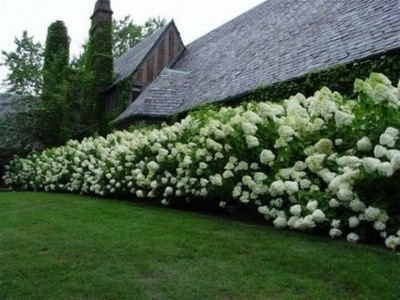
(193, 18)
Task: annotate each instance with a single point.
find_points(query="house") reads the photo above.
(276, 41)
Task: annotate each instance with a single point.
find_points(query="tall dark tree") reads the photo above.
(24, 64)
(54, 116)
(56, 56)
(98, 68)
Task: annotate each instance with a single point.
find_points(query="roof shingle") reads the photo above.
(276, 41)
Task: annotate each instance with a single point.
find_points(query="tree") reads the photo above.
(152, 24)
(24, 65)
(54, 110)
(56, 57)
(127, 34)
(17, 133)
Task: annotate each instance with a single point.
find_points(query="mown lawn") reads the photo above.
(73, 247)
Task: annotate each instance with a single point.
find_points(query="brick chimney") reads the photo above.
(102, 11)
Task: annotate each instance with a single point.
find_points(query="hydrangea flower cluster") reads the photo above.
(298, 162)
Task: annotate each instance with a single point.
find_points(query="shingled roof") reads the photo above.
(276, 41)
(127, 63)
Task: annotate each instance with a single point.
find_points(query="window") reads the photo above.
(135, 90)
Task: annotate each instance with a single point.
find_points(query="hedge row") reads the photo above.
(303, 163)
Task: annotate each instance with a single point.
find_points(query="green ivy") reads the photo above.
(338, 78)
(98, 75)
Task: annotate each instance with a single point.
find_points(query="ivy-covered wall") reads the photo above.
(98, 72)
(339, 78)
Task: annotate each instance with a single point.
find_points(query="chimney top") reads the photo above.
(102, 6)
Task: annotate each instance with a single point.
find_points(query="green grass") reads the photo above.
(73, 247)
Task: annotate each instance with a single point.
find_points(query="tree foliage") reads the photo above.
(24, 65)
(54, 111)
(53, 108)
(127, 34)
(56, 56)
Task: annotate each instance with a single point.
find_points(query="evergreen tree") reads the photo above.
(54, 120)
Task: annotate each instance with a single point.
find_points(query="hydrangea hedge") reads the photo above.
(304, 163)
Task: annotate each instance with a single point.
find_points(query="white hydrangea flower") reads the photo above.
(395, 162)
(392, 132)
(165, 202)
(277, 202)
(245, 198)
(392, 242)
(305, 184)
(228, 174)
(216, 180)
(372, 213)
(267, 157)
(295, 210)
(291, 187)
(333, 203)
(305, 223)
(312, 205)
(391, 153)
(379, 226)
(314, 162)
(385, 169)
(168, 191)
(286, 132)
(352, 237)
(229, 166)
(300, 166)
(204, 182)
(370, 164)
(352, 162)
(252, 141)
(248, 128)
(248, 181)
(379, 151)
(153, 166)
(260, 177)
(344, 193)
(318, 216)
(277, 188)
(252, 117)
(203, 192)
(364, 144)
(254, 166)
(280, 222)
(338, 142)
(353, 222)
(263, 210)
(387, 140)
(357, 205)
(335, 232)
(237, 191)
(343, 119)
(292, 221)
(324, 146)
(335, 223)
(242, 166)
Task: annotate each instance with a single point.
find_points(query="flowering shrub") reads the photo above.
(300, 162)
